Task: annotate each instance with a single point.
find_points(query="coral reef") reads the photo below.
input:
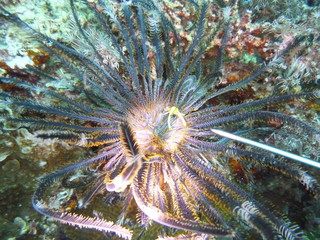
(229, 42)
